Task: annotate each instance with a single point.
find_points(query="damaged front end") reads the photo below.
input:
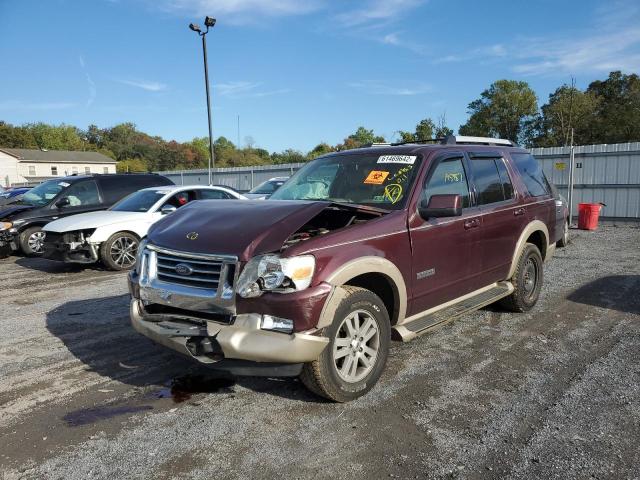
(71, 247)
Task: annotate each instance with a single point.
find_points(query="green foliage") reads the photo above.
(360, 138)
(426, 129)
(132, 165)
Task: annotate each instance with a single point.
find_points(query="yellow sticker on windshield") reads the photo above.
(393, 192)
(376, 177)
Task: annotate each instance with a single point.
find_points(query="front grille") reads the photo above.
(204, 274)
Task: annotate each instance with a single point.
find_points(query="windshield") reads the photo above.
(140, 201)
(375, 180)
(43, 193)
(268, 187)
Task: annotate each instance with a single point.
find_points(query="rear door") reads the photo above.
(502, 217)
(442, 248)
(83, 196)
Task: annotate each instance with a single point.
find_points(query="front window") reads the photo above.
(43, 193)
(140, 201)
(376, 180)
(450, 178)
(267, 188)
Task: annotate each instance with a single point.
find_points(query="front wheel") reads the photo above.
(357, 352)
(119, 251)
(32, 241)
(564, 240)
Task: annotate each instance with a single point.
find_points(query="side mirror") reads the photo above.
(63, 202)
(167, 209)
(441, 206)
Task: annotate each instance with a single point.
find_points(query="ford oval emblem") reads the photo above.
(192, 235)
(183, 269)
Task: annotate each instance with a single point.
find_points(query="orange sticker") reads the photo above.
(376, 177)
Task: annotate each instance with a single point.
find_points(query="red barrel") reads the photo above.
(588, 214)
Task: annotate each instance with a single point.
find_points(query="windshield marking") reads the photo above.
(406, 159)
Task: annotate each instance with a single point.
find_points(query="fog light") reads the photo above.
(276, 324)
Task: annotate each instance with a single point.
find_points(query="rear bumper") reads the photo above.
(219, 345)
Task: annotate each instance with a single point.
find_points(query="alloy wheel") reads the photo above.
(123, 252)
(36, 241)
(356, 345)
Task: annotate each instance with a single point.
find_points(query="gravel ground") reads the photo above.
(554, 393)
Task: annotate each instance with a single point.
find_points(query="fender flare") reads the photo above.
(355, 268)
(532, 227)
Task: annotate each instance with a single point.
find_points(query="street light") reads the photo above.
(209, 22)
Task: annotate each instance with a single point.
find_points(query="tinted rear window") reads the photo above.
(487, 181)
(118, 187)
(532, 174)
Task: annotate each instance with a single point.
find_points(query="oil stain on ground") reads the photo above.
(182, 388)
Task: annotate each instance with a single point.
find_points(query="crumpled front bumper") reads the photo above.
(243, 340)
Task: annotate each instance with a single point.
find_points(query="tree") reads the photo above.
(617, 116)
(424, 129)
(320, 149)
(501, 111)
(132, 165)
(361, 137)
(441, 129)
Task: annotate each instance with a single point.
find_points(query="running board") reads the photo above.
(435, 317)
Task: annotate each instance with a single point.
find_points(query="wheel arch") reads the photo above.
(377, 274)
(535, 232)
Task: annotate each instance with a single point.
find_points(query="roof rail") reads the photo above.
(378, 144)
(461, 139)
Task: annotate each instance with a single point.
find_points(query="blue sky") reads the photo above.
(298, 72)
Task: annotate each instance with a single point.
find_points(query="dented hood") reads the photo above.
(228, 227)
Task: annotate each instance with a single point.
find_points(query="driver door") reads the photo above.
(83, 197)
(442, 248)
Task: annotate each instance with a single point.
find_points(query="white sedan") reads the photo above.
(112, 236)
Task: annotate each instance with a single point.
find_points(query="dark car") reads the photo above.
(21, 222)
(356, 248)
(12, 195)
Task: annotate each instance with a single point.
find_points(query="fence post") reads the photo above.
(252, 179)
(570, 186)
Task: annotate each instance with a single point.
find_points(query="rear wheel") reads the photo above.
(357, 352)
(119, 251)
(527, 281)
(32, 241)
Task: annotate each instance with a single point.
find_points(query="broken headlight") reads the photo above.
(270, 273)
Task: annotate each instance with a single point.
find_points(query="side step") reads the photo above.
(429, 319)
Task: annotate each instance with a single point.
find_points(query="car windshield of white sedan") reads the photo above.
(43, 193)
(382, 181)
(140, 201)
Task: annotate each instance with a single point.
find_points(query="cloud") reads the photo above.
(394, 39)
(241, 11)
(90, 84)
(245, 89)
(477, 54)
(377, 11)
(19, 105)
(149, 86)
(377, 88)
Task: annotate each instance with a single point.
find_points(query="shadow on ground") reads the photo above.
(98, 333)
(51, 266)
(615, 292)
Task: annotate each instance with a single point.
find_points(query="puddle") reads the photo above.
(182, 388)
(91, 415)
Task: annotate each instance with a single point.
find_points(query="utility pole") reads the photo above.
(238, 144)
(570, 186)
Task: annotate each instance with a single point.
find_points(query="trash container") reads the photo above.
(588, 214)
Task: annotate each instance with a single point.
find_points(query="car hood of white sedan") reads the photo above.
(86, 221)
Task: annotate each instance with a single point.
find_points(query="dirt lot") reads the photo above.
(550, 394)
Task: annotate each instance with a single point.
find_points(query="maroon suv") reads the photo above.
(356, 248)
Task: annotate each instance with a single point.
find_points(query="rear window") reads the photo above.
(487, 181)
(532, 174)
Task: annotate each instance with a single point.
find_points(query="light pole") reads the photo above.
(209, 22)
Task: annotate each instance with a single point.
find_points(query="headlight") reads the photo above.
(5, 226)
(272, 273)
(141, 245)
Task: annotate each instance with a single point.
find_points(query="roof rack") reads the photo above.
(461, 140)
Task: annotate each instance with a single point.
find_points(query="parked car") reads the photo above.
(265, 189)
(355, 248)
(12, 195)
(112, 236)
(22, 221)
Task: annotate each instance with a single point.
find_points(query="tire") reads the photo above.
(31, 241)
(119, 251)
(564, 241)
(335, 378)
(527, 281)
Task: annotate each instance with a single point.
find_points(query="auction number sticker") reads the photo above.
(405, 159)
(376, 177)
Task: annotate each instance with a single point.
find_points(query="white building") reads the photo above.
(19, 166)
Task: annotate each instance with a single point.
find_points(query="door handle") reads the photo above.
(471, 223)
(518, 211)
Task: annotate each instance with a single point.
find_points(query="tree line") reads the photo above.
(607, 111)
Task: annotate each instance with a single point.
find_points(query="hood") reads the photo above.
(86, 221)
(243, 229)
(11, 211)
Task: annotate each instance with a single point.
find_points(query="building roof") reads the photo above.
(56, 156)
